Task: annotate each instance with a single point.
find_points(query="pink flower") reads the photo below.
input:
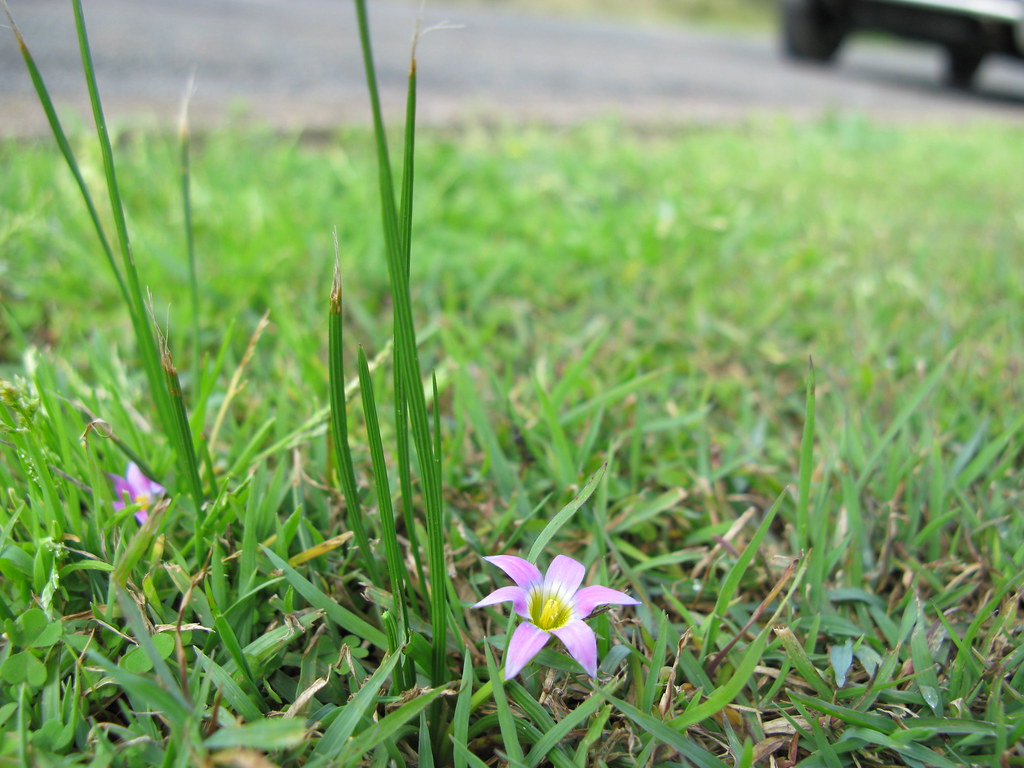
(136, 488)
(552, 604)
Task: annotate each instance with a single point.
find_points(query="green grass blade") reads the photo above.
(341, 616)
(144, 639)
(408, 162)
(798, 658)
(229, 639)
(265, 734)
(506, 721)
(406, 357)
(823, 747)
(565, 514)
(471, 402)
(426, 755)
(846, 714)
(564, 465)
(727, 692)
(722, 696)
(387, 191)
(136, 304)
(148, 694)
(272, 642)
(185, 164)
(653, 680)
(666, 733)
(131, 290)
(387, 727)
(554, 735)
(344, 725)
(927, 680)
(916, 752)
(594, 734)
(468, 758)
(405, 481)
(983, 461)
(401, 681)
(339, 427)
(913, 402)
(459, 727)
(181, 439)
(806, 465)
(136, 548)
(242, 703)
(389, 534)
(731, 582)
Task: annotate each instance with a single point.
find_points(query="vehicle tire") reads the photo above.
(811, 31)
(962, 64)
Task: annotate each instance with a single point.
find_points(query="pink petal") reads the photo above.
(524, 573)
(121, 488)
(515, 595)
(588, 598)
(137, 481)
(564, 576)
(581, 642)
(142, 516)
(524, 644)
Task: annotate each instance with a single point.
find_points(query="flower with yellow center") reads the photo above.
(552, 604)
(136, 488)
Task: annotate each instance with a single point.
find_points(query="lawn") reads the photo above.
(764, 379)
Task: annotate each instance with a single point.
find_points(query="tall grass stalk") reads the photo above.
(407, 360)
(182, 436)
(128, 280)
(811, 534)
(339, 428)
(144, 336)
(185, 155)
(401, 397)
(389, 534)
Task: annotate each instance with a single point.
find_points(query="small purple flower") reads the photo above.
(553, 604)
(136, 488)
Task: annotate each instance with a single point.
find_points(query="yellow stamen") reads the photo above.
(549, 611)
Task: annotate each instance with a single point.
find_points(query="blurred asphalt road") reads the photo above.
(296, 64)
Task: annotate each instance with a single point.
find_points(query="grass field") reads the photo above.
(615, 334)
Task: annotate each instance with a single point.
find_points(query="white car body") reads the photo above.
(970, 30)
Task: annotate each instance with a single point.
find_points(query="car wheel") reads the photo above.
(811, 31)
(962, 64)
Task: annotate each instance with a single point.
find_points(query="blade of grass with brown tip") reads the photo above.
(407, 360)
(339, 427)
(181, 439)
(136, 303)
